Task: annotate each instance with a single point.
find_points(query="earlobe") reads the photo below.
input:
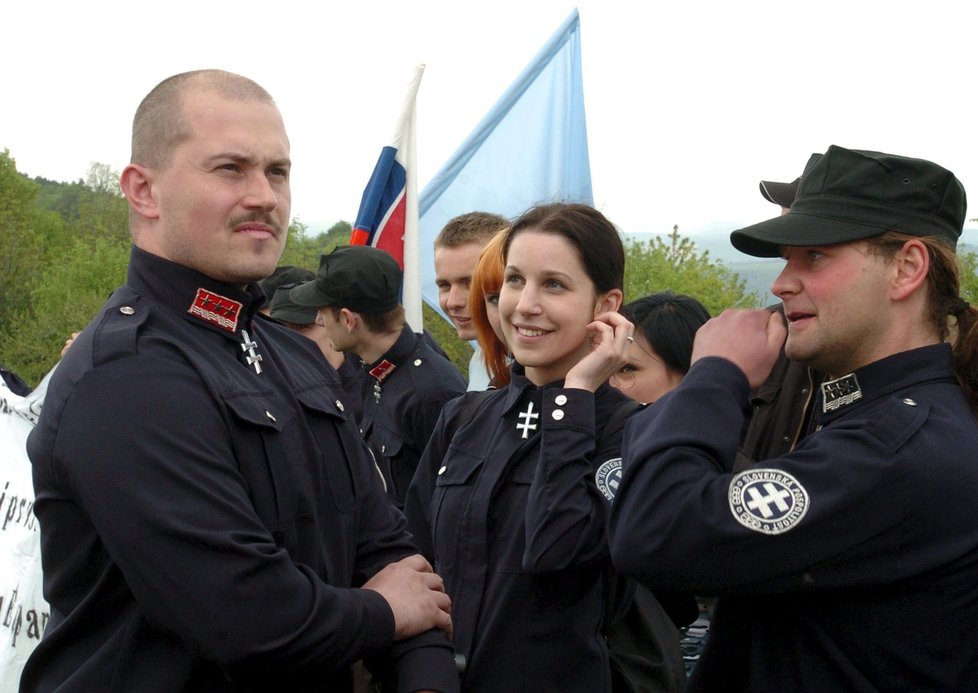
(912, 263)
(137, 185)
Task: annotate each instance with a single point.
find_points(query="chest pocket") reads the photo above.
(451, 513)
(337, 446)
(387, 447)
(259, 422)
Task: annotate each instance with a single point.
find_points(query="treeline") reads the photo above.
(64, 247)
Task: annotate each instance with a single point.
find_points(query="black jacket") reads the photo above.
(203, 525)
(850, 563)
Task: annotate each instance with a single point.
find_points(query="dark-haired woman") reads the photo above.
(505, 500)
(665, 325)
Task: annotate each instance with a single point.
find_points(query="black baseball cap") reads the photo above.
(283, 308)
(284, 275)
(359, 277)
(849, 194)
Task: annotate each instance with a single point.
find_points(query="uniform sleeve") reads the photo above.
(425, 661)
(417, 503)
(152, 465)
(425, 411)
(812, 518)
(566, 517)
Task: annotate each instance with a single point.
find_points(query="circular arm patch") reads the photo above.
(769, 501)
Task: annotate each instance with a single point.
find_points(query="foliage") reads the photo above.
(65, 246)
(656, 265)
(458, 351)
(969, 277)
(303, 251)
(65, 298)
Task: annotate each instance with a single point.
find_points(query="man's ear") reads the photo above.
(137, 185)
(348, 319)
(911, 263)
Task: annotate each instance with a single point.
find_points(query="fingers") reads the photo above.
(616, 327)
(417, 562)
(776, 331)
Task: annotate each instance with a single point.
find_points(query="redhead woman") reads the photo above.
(505, 500)
(487, 280)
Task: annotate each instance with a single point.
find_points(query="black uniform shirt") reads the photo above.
(202, 524)
(509, 509)
(404, 391)
(850, 563)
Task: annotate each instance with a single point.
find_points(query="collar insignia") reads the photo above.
(216, 309)
(382, 370)
(840, 393)
(527, 424)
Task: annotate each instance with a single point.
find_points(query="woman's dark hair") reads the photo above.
(668, 322)
(588, 230)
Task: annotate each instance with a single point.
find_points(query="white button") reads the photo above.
(383, 449)
(560, 400)
(558, 414)
(417, 362)
(269, 415)
(127, 310)
(442, 471)
(909, 402)
(339, 405)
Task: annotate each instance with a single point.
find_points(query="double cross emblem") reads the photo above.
(529, 417)
(248, 346)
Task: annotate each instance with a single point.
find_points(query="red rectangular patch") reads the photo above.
(216, 309)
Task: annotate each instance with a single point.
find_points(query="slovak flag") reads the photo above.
(380, 221)
(388, 215)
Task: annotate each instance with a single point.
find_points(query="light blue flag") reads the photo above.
(530, 148)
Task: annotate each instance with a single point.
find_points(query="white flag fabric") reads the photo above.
(23, 611)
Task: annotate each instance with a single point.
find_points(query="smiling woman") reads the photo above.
(524, 469)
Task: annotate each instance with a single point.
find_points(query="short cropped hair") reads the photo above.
(160, 123)
(473, 227)
(388, 321)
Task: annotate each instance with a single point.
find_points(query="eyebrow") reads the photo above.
(545, 272)
(248, 159)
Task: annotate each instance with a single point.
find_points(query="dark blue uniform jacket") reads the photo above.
(400, 407)
(203, 525)
(517, 528)
(850, 563)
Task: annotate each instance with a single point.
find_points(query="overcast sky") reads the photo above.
(689, 104)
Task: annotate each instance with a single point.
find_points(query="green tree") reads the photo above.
(336, 235)
(29, 239)
(969, 277)
(68, 293)
(655, 264)
(458, 351)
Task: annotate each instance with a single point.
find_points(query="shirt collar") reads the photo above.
(883, 378)
(203, 301)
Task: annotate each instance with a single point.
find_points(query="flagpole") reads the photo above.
(411, 292)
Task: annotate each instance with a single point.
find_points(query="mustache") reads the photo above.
(260, 217)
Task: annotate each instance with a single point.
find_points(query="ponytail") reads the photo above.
(953, 318)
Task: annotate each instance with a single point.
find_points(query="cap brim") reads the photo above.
(798, 229)
(782, 194)
(308, 294)
(296, 316)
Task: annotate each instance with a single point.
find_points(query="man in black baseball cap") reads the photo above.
(357, 293)
(848, 195)
(870, 521)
